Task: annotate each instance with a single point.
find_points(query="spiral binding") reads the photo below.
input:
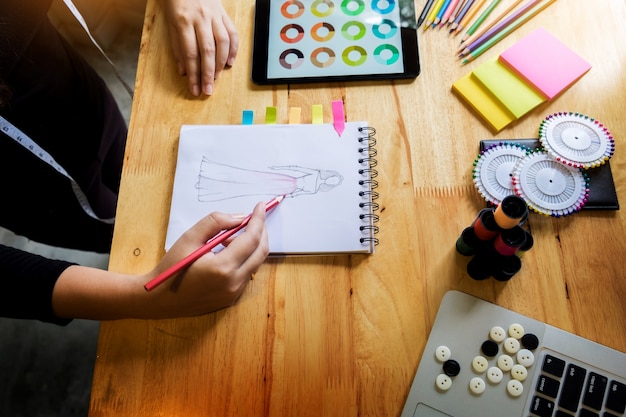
(369, 163)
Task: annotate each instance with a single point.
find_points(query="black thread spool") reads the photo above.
(507, 266)
(481, 265)
(528, 244)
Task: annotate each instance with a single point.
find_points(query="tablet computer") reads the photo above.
(304, 41)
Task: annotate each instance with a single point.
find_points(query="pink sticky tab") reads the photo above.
(339, 121)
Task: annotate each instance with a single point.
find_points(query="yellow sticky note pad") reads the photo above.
(517, 96)
(469, 89)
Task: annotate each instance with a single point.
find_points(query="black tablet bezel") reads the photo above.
(410, 53)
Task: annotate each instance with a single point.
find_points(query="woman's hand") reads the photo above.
(214, 281)
(204, 41)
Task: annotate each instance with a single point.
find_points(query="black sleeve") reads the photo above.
(26, 284)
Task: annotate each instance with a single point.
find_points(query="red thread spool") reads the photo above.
(509, 241)
(485, 226)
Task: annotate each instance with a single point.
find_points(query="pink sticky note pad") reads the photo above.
(544, 62)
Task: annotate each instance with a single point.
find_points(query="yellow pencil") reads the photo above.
(433, 14)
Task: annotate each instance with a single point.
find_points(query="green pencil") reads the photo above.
(519, 22)
(480, 19)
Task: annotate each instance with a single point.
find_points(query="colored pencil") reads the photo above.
(451, 8)
(441, 12)
(433, 14)
(489, 25)
(495, 39)
(456, 10)
(499, 27)
(469, 15)
(424, 13)
(461, 15)
(479, 21)
(206, 248)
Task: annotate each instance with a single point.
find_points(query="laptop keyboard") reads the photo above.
(567, 389)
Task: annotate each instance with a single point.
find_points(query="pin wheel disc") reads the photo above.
(548, 186)
(493, 169)
(576, 140)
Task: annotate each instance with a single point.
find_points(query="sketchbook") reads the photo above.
(328, 181)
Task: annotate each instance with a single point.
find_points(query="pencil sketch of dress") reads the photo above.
(218, 181)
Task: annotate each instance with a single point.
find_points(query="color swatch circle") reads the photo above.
(325, 27)
(328, 53)
(347, 7)
(348, 56)
(386, 58)
(287, 9)
(326, 10)
(288, 55)
(348, 32)
(389, 29)
(387, 6)
(287, 33)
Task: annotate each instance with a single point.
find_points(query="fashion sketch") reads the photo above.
(217, 181)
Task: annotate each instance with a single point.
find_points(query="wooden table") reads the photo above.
(343, 335)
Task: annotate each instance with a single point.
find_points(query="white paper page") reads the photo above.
(231, 168)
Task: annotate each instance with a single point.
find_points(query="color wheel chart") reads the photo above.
(319, 38)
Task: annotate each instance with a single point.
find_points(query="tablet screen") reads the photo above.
(326, 40)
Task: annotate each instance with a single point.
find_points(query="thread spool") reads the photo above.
(468, 243)
(480, 266)
(509, 241)
(485, 226)
(507, 267)
(528, 244)
(510, 212)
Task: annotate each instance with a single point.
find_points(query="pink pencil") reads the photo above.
(206, 248)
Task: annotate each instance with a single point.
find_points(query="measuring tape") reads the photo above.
(24, 140)
(83, 23)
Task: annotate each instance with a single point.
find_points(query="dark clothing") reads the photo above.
(27, 282)
(60, 102)
(65, 107)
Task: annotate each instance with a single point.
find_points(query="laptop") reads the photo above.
(482, 360)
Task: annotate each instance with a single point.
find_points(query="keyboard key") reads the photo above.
(542, 407)
(616, 400)
(572, 387)
(594, 391)
(548, 386)
(586, 413)
(560, 413)
(553, 366)
(608, 415)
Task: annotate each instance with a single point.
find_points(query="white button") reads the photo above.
(514, 388)
(516, 331)
(480, 364)
(494, 375)
(444, 382)
(497, 334)
(442, 353)
(526, 358)
(511, 345)
(505, 362)
(477, 385)
(519, 372)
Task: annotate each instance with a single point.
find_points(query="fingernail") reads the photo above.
(230, 61)
(195, 90)
(208, 90)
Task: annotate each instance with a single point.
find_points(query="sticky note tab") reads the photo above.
(247, 117)
(317, 114)
(270, 115)
(294, 115)
(339, 117)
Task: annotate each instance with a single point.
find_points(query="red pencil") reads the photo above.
(206, 248)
